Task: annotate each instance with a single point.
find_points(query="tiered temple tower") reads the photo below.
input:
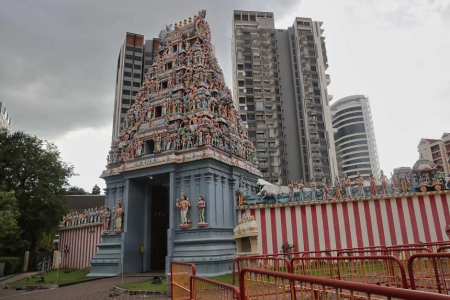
(182, 137)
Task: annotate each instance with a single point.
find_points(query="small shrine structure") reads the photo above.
(182, 140)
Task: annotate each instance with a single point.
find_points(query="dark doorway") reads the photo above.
(159, 225)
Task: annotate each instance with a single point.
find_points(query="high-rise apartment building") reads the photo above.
(136, 55)
(5, 119)
(280, 90)
(354, 137)
(437, 150)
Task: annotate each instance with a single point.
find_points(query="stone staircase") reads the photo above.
(106, 262)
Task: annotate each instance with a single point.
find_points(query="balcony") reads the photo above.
(263, 154)
(261, 136)
(261, 126)
(273, 145)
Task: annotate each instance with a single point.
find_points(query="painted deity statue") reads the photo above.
(106, 219)
(291, 191)
(119, 214)
(384, 183)
(201, 204)
(360, 182)
(184, 208)
(338, 187)
(325, 192)
(312, 184)
(348, 186)
(301, 190)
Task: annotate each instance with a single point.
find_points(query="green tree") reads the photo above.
(96, 190)
(10, 241)
(33, 169)
(74, 190)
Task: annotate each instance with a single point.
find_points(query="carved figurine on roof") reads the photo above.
(184, 102)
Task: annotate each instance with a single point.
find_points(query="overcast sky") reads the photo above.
(58, 61)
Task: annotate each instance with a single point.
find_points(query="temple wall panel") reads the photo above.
(82, 244)
(403, 219)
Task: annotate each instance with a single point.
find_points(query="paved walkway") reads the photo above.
(92, 290)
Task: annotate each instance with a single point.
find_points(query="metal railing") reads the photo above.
(430, 272)
(181, 279)
(379, 270)
(264, 284)
(204, 288)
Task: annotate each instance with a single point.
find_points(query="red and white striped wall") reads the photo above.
(359, 223)
(82, 244)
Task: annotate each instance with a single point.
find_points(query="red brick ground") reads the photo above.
(93, 290)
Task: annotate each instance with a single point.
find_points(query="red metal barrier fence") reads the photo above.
(379, 270)
(181, 279)
(266, 263)
(430, 272)
(257, 284)
(204, 288)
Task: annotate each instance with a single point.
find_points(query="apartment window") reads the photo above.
(248, 82)
(248, 74)
(247, 57)
(244, 17)
(240, 67)
(128, 65)
(124, 110)
(315, 84)
(248, 66)
(242, 100)
(128, 56)
(244, 118)
(127, 83)
(129, 48)
(134, 93)
(138, 58)
(250, 90)
(126, 92)
(136, 84)
(148, 54)
(148, 62)
(127, 74)
(138, 50)
(250, 99)
(137, 75)
(251, 107)
(250, 116)
(137, 66)
(252, 18)
(125, 101)
(240, 83)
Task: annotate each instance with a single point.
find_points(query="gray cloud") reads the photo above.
(59, 57)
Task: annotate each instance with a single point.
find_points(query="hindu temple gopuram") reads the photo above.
(173, 174)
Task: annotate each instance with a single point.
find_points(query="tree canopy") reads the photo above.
(10, 232)
(96, 190)
(33, 170)
(74, 190)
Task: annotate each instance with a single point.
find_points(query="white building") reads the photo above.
(354, 137)
(5, 119)
(438, 151)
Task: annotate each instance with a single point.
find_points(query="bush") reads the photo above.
(13, 265)
(37, 257)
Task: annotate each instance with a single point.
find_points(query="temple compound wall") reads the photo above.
(78, 245)
(358, 222)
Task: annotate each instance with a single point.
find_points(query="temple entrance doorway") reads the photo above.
(158, 226)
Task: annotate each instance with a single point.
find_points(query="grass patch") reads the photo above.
(227, 278)
(64, 276)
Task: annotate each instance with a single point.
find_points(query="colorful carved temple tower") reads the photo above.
(182, 138)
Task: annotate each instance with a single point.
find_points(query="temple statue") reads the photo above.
(119, 214)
